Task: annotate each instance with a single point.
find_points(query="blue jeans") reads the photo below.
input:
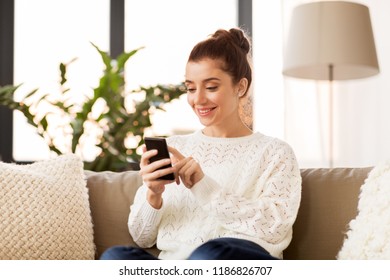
(217, 249)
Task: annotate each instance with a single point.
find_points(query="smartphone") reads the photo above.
(159, 144)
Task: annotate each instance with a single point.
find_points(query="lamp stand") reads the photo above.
(330, 155)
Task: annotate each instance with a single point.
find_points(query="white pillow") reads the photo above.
(368, 236)
(44, 211)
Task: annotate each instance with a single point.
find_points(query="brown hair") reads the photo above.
(232, 48)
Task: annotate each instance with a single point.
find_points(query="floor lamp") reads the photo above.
(330, 40)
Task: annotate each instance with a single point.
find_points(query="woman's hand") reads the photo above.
(150, 174)
(186, 169)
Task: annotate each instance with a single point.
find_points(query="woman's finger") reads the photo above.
(184, 174)
(177, 156)
(145, 158)
(186, 169)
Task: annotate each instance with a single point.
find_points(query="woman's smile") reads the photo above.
(205, 112)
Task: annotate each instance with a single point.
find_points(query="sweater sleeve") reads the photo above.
(268, 208)
(144, 220)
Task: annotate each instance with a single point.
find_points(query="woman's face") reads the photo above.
(212, 94)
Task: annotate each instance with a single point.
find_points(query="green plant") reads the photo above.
(119, 118)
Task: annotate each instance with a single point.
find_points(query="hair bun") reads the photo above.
(240, 39)
(235, 36)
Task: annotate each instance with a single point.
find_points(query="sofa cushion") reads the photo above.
(110, 196)
(329, 202)
(368, 236)
(44, 210)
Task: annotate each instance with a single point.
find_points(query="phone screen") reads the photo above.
(159, 144)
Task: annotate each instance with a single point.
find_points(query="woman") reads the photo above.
(237, 192)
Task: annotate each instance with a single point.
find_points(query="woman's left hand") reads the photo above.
(186, 169)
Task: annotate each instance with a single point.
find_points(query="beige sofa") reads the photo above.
(329, 202)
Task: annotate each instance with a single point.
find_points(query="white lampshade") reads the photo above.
(330, 34)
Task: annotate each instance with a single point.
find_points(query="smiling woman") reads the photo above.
(213, 96)
(217, 81)
(235, 194)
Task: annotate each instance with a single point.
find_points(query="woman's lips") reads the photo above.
(204, 111)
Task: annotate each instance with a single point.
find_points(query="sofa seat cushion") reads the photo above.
(44, 210)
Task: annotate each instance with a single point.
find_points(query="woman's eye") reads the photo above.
(212, 88)
(191, 90)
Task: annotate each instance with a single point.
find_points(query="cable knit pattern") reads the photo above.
(44, 211)
(251, 190)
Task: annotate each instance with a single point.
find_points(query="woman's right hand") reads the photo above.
(150, 174)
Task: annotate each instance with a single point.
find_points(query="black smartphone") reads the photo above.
(159, 144)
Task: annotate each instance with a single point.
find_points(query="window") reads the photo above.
(46, 34)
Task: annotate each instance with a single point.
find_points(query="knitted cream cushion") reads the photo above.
(368, 236)
(44, 211)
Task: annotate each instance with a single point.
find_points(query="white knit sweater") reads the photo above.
(251, 190)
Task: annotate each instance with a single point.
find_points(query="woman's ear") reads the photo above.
(242, 87)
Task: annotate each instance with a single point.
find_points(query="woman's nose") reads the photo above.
(200, 97)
